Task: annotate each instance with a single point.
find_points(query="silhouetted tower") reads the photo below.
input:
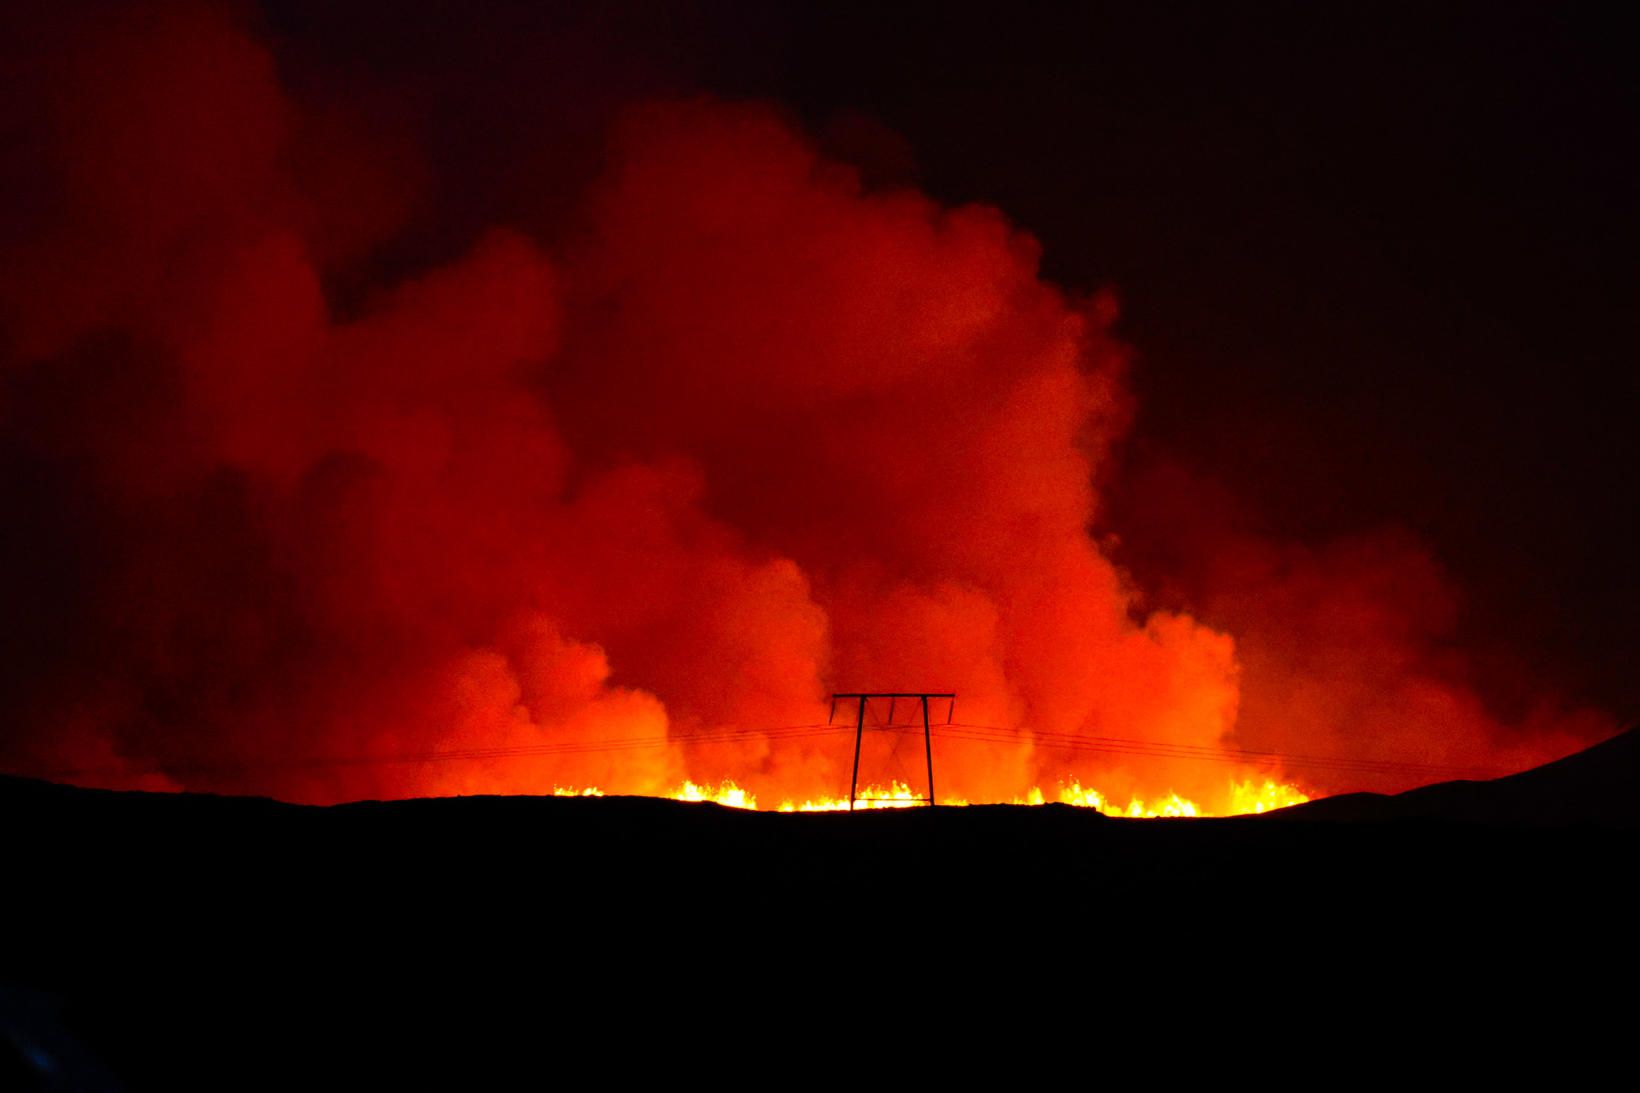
(863, 697)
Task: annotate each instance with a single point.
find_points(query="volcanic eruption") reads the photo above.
(615, 507)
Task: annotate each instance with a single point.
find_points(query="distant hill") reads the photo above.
(1597, 786)
(181, 940)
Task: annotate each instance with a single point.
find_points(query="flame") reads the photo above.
(894, 795)
(1171, 805)
(1250, 797)
(726, 793)
(1244, 797)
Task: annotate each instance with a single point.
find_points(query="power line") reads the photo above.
(958, 732)
(544, 749)
(1218, 754)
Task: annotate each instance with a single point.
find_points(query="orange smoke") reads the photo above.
(615, 509)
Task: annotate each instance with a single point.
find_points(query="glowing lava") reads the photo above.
(1244, 798)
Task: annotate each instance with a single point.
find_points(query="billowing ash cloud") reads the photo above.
(590, 509)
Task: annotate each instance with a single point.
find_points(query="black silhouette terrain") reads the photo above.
(185, 940)
(1594, 787)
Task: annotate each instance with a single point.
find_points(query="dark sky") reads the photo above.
(1374, 261)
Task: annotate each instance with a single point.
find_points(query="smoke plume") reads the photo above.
(614, 506)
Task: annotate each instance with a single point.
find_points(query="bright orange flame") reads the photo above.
(725, 793)
(1171, 805)
(894, 795)
(1251, 797)
(1243, 798)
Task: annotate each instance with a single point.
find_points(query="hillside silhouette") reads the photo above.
(184, 940)
(1595, 786)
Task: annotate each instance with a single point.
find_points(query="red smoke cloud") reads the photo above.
(743, 434)
(1347, 647)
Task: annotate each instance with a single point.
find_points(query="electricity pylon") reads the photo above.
(921, 697)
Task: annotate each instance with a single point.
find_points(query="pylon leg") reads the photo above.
(859, 732)
(928, 751)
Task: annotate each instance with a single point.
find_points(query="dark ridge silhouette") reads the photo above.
(1594, 786)
(180, 940)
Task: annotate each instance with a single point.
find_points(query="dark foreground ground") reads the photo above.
(161, 941)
